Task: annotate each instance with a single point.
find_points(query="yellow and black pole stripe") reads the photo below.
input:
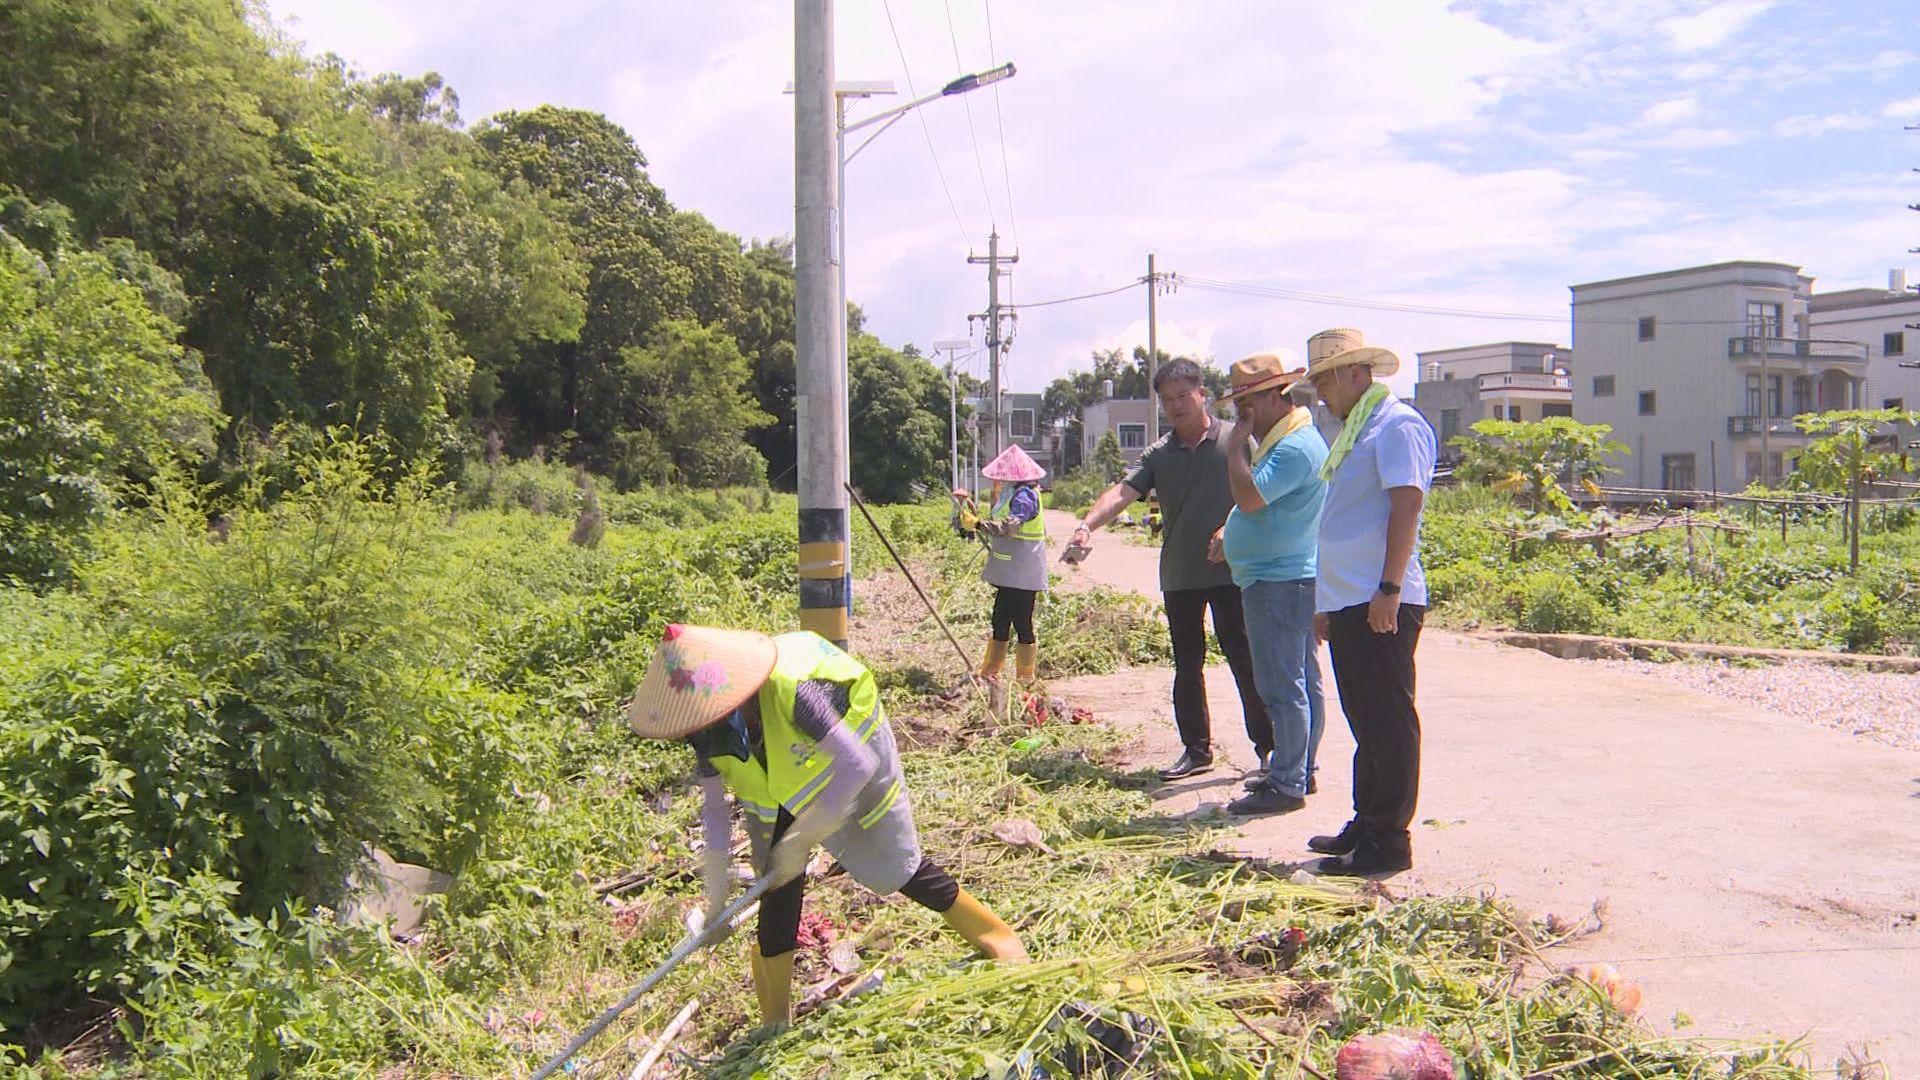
(826, 581)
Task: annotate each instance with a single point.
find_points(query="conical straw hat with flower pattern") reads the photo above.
(699, 675)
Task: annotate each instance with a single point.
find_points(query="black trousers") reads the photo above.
(1186, 624)
(1013, 613)
(1374, 673)
(778, 928)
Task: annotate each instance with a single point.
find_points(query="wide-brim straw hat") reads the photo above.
(1344, 347)
(1014, 465)
(700, 674)
(1261, 371)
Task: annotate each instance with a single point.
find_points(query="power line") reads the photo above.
(1006, 173)
(1084, 296)
(924, 129)
(959, 68)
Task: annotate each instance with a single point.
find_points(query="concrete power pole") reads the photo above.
(1153, 353)
(995, 344)
(826, 583)
(952, 349)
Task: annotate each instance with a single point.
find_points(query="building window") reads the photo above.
(1677, 472)
(1774, 385)
(1021, 422)
(1894, 344)
(1763, 320)
(1753, 395)
(1555, 408)
(1133, 436)
(1603, 386)
(1449, 424)
(1802, 394)
(1894, 403)
(1646, 403)
(1646, 328)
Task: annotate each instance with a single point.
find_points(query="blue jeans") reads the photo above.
(1286, 668)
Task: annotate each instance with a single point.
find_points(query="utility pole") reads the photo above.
(952, 349)
(1153, 353)
(995, 344)
(826, 584)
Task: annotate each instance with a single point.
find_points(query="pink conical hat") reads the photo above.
(1013, 464)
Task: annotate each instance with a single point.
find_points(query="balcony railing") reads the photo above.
(1841, 352)
(1750, 425)
(1525, 380)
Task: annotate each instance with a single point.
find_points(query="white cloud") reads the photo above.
(1904, 109)
(1806, 127)
(1691, 33)
(1698, 138)
(1670, 112)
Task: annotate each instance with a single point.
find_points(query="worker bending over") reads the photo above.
(793, 727)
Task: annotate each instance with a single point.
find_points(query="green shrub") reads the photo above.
(1077, 490)
(244, 718)
(1554, 603)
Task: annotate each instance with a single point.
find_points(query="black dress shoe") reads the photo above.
(1368, 860)
(1265, 800)
(1190, 764)
(1340, 843)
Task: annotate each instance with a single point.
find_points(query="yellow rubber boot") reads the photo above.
(773, 985)
(984, 930)
(995, 660)
(1026, 663)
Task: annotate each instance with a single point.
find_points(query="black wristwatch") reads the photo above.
(1389, 588)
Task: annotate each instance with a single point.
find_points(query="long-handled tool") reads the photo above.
(721, 925)
(965, 660)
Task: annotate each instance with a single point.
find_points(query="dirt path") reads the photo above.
(1762, 875)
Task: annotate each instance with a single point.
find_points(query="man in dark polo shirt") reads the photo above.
(1189, 471)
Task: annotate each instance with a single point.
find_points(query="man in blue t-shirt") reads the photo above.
(1269, 541)
(1371, 595)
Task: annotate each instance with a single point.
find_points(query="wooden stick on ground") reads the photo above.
(667, 1035)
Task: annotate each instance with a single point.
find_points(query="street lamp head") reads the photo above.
(977, 80)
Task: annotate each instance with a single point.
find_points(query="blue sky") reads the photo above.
(1472, 155)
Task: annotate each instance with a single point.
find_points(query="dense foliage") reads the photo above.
(336, 249)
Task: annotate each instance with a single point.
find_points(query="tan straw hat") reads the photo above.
(1340, 348)
(699, 675)
(1261, 371)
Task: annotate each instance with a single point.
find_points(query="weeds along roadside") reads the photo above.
(1749, 588)
(527, 644)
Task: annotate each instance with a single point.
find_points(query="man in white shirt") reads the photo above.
(1371, 595)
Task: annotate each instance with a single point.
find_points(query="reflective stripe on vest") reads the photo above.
(796, 771)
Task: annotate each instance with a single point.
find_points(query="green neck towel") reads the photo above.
(1356, 421)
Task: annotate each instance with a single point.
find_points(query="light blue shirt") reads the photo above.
(1395, 449)
(1277, 542)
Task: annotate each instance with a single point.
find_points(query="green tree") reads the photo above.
(95, 390)
(1107, 459)
(898, 410)
(1533, 457)
(1849, 453)
(763, 326)
(325, 313)
(688, 407)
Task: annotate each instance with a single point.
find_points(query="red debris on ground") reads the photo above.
(1394, 1055)
(816, 931)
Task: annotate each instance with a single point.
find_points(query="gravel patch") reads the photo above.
(1881, 706)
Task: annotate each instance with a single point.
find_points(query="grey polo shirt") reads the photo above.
(1194, 501)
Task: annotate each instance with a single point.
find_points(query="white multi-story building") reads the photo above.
(1507, 380)
(1887, 322)
(1700, 371)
